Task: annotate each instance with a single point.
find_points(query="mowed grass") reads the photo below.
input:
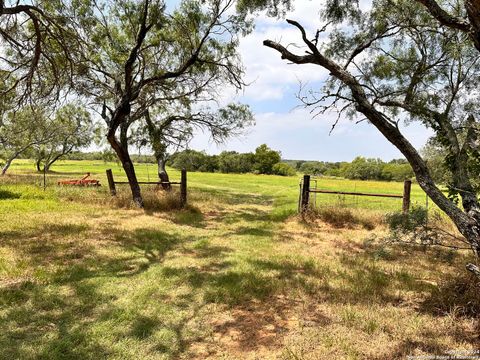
(235, 275)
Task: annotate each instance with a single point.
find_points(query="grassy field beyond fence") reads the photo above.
(283, 191)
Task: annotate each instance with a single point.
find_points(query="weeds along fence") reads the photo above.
(183, 185)
(309, 190)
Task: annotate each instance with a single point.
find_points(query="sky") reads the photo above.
(280, 121)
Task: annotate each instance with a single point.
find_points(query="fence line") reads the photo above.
(305, 191)
(182, 183)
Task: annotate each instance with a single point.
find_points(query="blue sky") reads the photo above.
(280, 123)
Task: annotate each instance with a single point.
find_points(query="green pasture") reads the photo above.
(282, 192)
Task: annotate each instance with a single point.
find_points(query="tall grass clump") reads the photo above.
(341, 217)
(456, 294)
(154, 198)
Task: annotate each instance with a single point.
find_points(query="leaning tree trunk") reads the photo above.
(473, 12)
(159, 149)
(161, 158)
(127, 164)
(10, 160)
(6, 166)
(49, 163)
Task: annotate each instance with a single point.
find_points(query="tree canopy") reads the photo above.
(39, 50)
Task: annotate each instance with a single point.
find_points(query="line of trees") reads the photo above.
(263, 161)
(360, 168)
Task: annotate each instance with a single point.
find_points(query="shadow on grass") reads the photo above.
(253, 215)
(457, 293)
(191, 216)
(60, 316)
(79, 310)
(407, 347)
(8, 195)
(54, 317)
(63, 316)
(455, 296)
(254, 231)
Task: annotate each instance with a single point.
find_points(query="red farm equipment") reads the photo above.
(80, 182)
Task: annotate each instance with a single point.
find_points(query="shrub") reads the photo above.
(341, 217)
(190, 160)
(406, 223)
(234, 162)
(283, 169)
(397, 172)
(363, 169)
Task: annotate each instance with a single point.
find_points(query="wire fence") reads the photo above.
(314, 193)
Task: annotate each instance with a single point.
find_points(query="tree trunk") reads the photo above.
(6, 166)
(127, 164)
(10, 160)
(37, 164)
(473, 12)
(162, 172)
(159, 150)
(163, 175)
(467, 221)
(49, 163)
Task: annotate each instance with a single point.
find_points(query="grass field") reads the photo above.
(235, 275)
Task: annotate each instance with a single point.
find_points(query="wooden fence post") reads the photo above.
(183, 188)
(305, 194)
(407, 186)
(111, 182)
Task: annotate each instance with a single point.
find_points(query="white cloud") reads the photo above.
(298, 136)
(272, 77)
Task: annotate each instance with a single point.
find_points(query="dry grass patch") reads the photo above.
(343, 217)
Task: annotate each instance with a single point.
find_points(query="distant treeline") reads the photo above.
(232, 162)
(263, 161)
(267, 161)
(360, 168)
